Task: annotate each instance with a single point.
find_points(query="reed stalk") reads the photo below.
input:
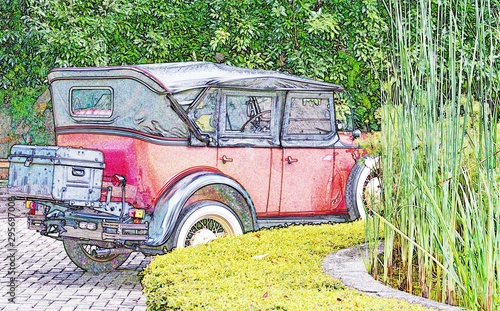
(441, 172)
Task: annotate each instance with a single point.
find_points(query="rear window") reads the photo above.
(96, 102)
(310, 116)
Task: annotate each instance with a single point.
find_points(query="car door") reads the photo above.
(247, 137)
(308, 137)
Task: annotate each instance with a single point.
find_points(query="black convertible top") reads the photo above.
(177, 77)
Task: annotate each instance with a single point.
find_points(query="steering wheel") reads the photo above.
(257, 122)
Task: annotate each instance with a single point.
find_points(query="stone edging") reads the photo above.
(347, 265)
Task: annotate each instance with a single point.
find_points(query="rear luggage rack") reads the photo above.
(56, 173)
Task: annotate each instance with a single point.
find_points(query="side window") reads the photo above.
(204, 113)
(91, 102)
(186, 98)
(248, 114)
(309, 115)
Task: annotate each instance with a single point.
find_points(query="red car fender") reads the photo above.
(208, 184)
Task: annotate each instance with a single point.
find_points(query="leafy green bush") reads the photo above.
(277, 269)
(22, 72)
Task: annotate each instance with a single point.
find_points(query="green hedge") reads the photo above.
(278, 269)
(340, 41)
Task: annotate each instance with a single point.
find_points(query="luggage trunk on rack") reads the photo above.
(56, 173)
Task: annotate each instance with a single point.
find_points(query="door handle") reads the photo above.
(291, 160)
(226, 159)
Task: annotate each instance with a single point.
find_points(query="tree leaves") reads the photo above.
(337, 41)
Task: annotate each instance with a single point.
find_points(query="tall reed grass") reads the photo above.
(440, 159)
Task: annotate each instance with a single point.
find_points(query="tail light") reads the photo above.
(136, 213)
(118, 180)
(32, 206)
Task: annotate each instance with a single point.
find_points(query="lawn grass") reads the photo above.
(276, 269)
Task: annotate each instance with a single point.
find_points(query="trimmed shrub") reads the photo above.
(277, 269)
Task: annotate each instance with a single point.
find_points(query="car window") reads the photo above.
(186, 98)
(204, 113)
(248, 114)
(309, 115)
(91, 102)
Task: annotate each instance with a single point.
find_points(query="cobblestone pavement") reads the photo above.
(46, 279)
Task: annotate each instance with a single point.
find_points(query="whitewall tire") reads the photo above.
(204, 221)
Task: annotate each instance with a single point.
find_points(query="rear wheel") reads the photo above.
(84, 255)
(204, 221)
(364, 188)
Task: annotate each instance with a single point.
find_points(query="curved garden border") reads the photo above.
(348, 266)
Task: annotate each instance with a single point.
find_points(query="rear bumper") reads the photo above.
(60, 222)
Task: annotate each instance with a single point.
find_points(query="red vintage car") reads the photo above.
(153, 157)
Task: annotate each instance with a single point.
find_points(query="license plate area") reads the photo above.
(37, 216)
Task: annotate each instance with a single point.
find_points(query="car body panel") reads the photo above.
(251, 167)
(307, 181)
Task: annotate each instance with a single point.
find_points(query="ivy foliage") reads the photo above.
(340, 41)
(277, 269)
(22, 74)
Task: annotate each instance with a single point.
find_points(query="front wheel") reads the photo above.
(83, 254)
(204, 221)
(364, 188)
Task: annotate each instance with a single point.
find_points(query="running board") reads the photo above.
(269, 222)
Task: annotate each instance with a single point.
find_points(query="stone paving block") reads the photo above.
(68, 291)
(19, 299)
(115, 302)
(42, 304)
(135, 294)
(75, 300)
(78, 295)
(58, 304)
(122, 293)
(84, 306)
(89, 299)
(91, 293)
(106, 295)
(97, 290)
(56, 298)
(48, 280)
(34, 297)
(99, 304)
(48, 290)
